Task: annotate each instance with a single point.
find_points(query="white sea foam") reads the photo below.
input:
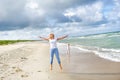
(81, 49)
(111, 50)
(109, 54)
(93, 36)
(117, 35)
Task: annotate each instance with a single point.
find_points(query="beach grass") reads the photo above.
(6, 42)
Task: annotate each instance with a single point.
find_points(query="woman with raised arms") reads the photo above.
(53, 48)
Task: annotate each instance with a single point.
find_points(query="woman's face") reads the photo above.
(51, 36)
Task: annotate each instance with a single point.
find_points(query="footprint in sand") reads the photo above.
(17, 69)
(24, 75)
(1, 63)
(1, 78)
(13, 67)
(39, 71)
(12, 73)
(23, 58)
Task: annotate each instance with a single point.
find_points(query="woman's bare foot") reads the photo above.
(60, 67)
(51, 67)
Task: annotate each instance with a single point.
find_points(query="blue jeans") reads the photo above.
(52, 52)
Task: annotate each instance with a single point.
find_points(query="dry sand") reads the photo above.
(30, 61)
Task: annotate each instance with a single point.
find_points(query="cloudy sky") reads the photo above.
(26, 19)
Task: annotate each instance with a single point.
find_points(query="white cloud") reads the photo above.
(114, 14)
(88, 13)
(2, 12)
(73, 30)
(33, 10)
(33, 33)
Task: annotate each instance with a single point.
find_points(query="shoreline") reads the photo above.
(30, 61)
(105, 53)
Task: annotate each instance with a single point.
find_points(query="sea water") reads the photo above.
(105, 45)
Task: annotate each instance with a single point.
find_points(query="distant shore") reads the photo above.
(6, 42)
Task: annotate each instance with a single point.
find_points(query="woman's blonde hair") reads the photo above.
(51, 35)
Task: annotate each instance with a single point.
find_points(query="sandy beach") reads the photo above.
(30, 61)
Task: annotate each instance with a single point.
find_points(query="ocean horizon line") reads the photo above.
(95, 34)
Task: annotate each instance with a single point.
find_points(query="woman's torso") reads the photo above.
(53, 43)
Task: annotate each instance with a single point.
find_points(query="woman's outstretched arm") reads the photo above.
(60, 38)
(43, 38)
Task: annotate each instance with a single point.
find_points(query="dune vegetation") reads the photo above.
(6, 42)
